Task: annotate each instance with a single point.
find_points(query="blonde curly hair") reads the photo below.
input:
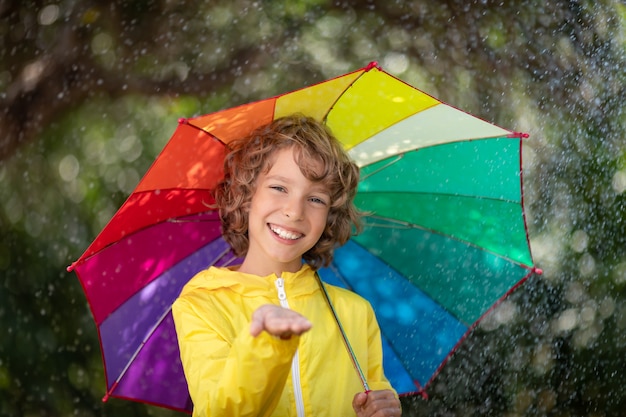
(314, 146)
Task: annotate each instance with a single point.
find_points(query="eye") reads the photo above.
(318, 200)
(278, 188)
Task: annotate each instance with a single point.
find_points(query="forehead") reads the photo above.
(289, 163)
(293, 155)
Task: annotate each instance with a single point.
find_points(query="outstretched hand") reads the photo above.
(377, 404)
(278, 321)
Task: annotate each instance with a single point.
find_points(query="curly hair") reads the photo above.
(314, 146)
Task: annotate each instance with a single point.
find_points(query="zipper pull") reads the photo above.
(282, 295)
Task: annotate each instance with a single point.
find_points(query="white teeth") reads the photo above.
(284, 233)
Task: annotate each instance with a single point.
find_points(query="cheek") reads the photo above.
(322, 221)
(254, 203)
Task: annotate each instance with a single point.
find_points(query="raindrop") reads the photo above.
(579, 241)
(619, 182)
(546, 400)
(588, 315)
(48, 15)
(101, 43)
(130, 148)
(69, 168)
(127, 180)
(606, 308)
(13, 209)
(543, 358)
(32, 74)
(329, 27)
(587, 265)
(506, 312)
(619, 273)
(585, 337)
(575, 293)
(33, 224)
(396, 63)
(568, 320)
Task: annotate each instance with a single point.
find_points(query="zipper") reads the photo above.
(282, 295)
(295, 362)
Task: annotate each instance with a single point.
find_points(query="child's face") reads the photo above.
(288, 214)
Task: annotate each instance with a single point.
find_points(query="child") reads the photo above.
(259, 339)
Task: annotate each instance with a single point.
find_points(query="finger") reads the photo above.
(287, 326)
(382, 403)
(301, 325)
(256, 325)
(278, 321)
(260, 317)
(359, 401)
(285, 320)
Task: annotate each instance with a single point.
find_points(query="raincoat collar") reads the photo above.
(297, 283)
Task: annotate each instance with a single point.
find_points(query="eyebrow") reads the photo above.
(317, 186)
(276, 177)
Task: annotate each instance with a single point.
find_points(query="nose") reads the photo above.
(293, 209)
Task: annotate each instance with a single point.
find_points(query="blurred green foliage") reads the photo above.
(90, 92)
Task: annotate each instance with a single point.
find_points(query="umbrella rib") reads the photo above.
(395, 224)
(399, 224)
(341, 277)
(330, 108)
(84, 258)
(151, 331)
(468, 196)
(209, 134)
(136, 353)
(387, 165)
(212, 262)
(231, 260)
(420, 289)
(196, 220)
(403, 152)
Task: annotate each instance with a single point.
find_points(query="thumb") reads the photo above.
(257, 321)
(256, 324)
(359, 400)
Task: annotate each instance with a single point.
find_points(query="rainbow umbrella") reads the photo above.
(444, 241)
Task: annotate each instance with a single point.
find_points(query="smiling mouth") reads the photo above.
(285, 234)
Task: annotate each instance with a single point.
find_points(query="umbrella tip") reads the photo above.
(520, 135)
(71, 267)
(182, 121)
(373, 64)
(538, 271)
(108, 393)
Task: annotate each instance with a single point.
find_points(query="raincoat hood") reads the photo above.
(297, 283)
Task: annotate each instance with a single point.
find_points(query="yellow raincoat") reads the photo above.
(231, 373)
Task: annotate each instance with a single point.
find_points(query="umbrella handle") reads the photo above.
(344, 337)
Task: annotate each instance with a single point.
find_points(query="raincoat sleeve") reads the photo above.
(240, 377)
